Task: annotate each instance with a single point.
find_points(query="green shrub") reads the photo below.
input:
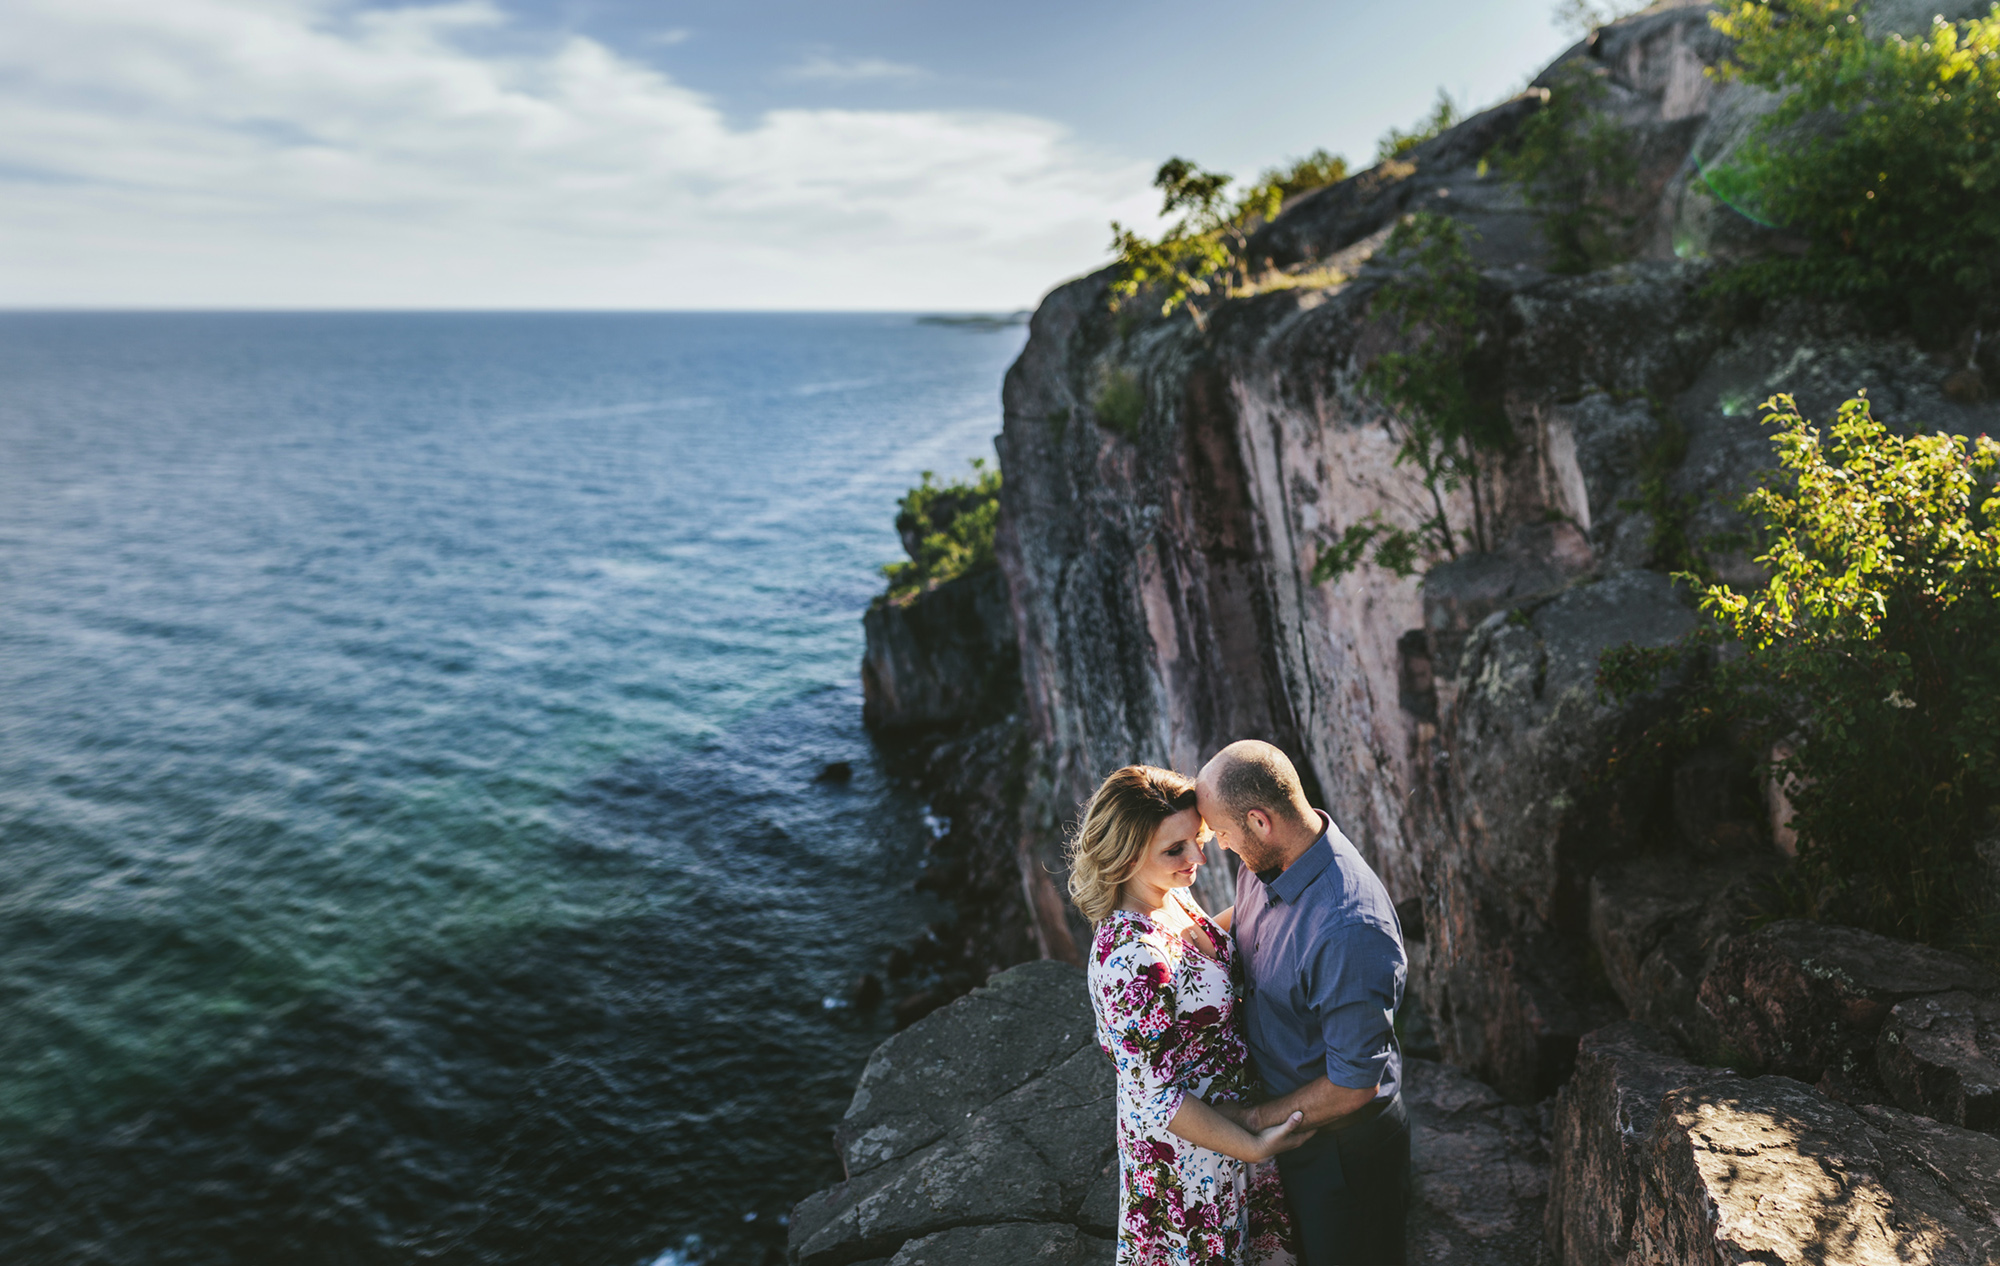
(1120, 402)
(1573, 162)
(1873, 655)
(1207, 242)
(1884, 155)
(1444, 427)
(947, 530)
(1315, 171)
(1395, 142)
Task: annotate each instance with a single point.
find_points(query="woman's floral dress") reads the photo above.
(1166, 1014)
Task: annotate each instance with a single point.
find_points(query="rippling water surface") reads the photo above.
(409, 846)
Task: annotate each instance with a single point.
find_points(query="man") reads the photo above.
(1324, 974)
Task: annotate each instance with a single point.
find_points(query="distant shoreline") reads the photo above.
(979, 320)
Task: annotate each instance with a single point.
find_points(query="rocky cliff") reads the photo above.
(1160, 567)
(1581, 935)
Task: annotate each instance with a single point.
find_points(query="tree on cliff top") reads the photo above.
(1205, 249)
(1204, 245)
(947, 530)
(1884, 154)
(1872, 656)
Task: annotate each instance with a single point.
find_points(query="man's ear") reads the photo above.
(1259, 823)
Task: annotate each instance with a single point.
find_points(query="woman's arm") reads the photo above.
(1203, 1126)
(1226, 920)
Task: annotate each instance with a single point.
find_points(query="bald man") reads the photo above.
(1325, 967)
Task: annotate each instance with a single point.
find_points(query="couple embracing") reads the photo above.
(1260, 1119)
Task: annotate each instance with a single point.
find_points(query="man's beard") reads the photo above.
(1256, 854)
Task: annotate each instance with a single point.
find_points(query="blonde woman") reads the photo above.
(1195, 1187)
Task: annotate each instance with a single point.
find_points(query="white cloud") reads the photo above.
(293, 152)
(823, 69)
(670, 36)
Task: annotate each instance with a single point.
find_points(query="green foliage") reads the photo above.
(1203, 247)
(947, 529)
(1443, 426)
(1884, 155)
(1573, 161)
(1120, 402)
(1395, 142)
(1315, 171)
(1873, 655)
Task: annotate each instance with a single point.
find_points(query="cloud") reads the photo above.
(670, 36)
(823, 69)
(297, 152)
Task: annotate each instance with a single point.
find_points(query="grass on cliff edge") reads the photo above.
(947, 529)
(1869, 666)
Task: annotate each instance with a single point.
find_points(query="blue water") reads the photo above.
(409, 841)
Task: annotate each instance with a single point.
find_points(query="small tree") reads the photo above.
(1207, 242)
(1443, 427)
(1573, 162)
(1315, 171)
(1873, 653)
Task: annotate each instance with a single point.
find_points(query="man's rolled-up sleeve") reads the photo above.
(1353, 981)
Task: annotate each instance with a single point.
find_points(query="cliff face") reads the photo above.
(1159, 568)
(1157, 572)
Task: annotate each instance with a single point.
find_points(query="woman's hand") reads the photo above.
(1282, 1137)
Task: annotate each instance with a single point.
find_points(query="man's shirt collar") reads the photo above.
(1317, 857)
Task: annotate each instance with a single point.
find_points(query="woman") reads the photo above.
(1194, 1190)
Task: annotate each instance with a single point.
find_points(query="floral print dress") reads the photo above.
(1166, 1014)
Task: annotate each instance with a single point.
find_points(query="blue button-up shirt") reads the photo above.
(1324, 963)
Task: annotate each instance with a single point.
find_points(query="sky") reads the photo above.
(903, 155)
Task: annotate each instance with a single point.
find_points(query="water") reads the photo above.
(408, 728)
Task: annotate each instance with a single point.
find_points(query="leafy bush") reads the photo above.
(1573, 161)
(1206, 242)
(1884, 154)
(1444, 426)
(1873, 656)
(1315, 171)
(1395, 142)
(947, 530)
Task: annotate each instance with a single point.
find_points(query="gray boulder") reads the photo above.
(1015, 1244)
(1602, 1121)
(1658, 923)
(994, 1110)
(1771, 1171)
(1807, 999)
(1658, 1162)
(1939, 1055)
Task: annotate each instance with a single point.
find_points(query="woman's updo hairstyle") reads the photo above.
(1127, 808)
